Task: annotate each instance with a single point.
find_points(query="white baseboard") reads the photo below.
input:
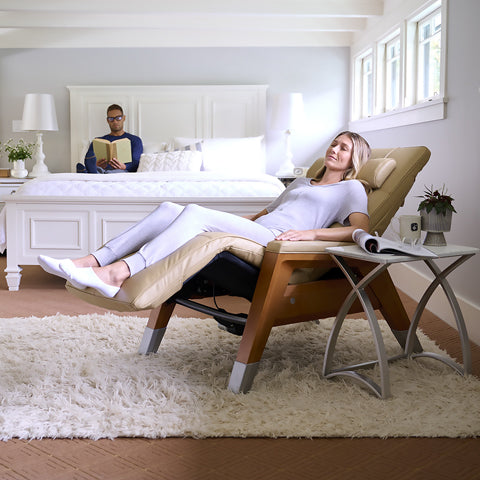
(414, 283)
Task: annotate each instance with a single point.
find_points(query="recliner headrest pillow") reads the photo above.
(376, 171)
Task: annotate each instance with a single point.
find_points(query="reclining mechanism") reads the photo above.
(226, 274)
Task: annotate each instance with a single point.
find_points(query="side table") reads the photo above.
(383, 261)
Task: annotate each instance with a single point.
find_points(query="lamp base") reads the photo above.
(288, 172)
(38, 170)
(287, 166)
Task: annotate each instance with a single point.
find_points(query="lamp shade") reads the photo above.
(288, 112)
(39, 112)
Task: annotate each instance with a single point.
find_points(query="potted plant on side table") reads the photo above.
(436, 210)
(18, 153)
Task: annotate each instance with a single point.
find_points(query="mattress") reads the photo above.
(153, 184)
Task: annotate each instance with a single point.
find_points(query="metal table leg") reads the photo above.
(358, 290)
(440, 279)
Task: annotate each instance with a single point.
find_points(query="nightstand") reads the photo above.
(9, 185)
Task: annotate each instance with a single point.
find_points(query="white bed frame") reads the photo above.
(74, 226)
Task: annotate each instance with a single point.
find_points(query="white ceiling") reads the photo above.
(182, 23)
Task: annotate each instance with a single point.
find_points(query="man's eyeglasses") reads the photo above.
(111, 119)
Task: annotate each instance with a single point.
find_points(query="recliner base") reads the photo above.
(242, 376)
(151, 340)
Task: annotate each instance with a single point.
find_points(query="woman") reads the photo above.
(304, 211)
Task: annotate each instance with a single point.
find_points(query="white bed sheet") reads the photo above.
(154, 184)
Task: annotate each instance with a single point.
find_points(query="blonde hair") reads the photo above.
(360, 155)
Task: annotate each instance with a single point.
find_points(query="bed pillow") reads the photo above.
(184, 143)
(154, 147)
(232, 155)
(185, 160)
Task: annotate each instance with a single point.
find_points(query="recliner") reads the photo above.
(286, 282)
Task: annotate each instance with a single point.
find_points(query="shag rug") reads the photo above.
(81, 376)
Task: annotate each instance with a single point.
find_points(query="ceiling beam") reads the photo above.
(133, 38)
(347, 8)
(171, 21)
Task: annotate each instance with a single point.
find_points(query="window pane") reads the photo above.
(392, 77)
(429, 54)
(367, 86)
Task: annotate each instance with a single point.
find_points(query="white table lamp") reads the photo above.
(287, 115)
(39, 115)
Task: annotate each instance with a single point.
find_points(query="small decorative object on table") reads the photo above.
(436, 211)
(376, 244)
(18, 153)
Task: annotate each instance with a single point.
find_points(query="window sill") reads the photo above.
(423, 112)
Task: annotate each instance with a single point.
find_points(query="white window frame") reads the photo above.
(367, 86)
(410, 112)
(388, 84)
(359, 85)
(381, 69)
(420, 46)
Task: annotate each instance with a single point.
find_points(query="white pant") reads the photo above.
(169, 227)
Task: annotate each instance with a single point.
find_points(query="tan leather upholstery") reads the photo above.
(374, 172)
(151, 287)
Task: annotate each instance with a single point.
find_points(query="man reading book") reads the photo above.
(115, 120)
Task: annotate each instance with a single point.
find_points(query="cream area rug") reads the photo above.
(81, 376)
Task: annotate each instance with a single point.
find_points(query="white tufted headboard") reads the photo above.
(160, 112)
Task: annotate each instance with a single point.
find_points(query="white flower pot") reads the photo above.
(19, 170)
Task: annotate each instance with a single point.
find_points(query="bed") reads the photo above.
(202, 144)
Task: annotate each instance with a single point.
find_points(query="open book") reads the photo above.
(376, 244)
(119, 149)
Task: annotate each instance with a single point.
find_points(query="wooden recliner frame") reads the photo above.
(276, 302)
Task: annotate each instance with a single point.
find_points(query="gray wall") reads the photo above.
(321, 74)
(454, 142)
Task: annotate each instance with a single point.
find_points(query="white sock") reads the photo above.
(60, 268)
(88, 278)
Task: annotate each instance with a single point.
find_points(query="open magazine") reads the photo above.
(377, 244)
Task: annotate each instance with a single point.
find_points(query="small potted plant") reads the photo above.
(17, 153)
(436, 210)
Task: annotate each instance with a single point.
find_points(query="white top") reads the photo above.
(303, 206)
